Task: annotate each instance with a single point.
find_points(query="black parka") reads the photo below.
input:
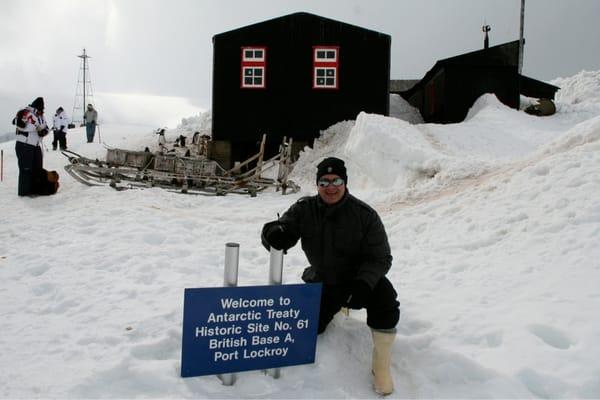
(343, 242)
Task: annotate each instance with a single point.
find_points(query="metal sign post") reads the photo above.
(275, 278)
(232, 260)
(276, 267)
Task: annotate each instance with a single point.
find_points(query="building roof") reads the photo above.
(299, 16)
(505, 54)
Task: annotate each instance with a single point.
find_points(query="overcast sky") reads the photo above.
(164, 47)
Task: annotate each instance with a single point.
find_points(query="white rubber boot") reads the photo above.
(382, 357)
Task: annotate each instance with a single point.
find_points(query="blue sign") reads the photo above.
(233, 329)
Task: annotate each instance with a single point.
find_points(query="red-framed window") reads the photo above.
(254, 67)
(326, 66)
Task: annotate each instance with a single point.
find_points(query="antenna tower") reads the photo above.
(83, 92)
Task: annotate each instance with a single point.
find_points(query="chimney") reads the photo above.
(486, 39)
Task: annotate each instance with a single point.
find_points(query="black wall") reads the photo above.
(289, 106)
(466, 84)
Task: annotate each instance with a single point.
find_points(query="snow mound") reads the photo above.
(587, 132)
(379, 151)
(391, 152)
(199, 123)
(581, 88)
(388, 159)
(329, 144)
(486, 103)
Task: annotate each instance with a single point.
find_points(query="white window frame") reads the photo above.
(254, 63)
(326, 50)
(254, 50)
(324, 63)
(261, 84)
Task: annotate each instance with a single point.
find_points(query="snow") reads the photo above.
(494, 225)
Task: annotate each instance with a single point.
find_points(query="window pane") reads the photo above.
(320, 53)
(247, 71)
(247, 81)
(331, 54)
(320, 72)
(258, 81)
(330, 72)
(258, 72)
(330, 82)
(320, 81)
(248, 54)
(258, 54)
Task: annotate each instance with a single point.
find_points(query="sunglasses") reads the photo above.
(326, 182)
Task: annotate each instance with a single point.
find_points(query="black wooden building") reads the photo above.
(449, 89)
(293, 76)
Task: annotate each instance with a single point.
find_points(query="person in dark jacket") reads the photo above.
(348, 250)
(60, 125)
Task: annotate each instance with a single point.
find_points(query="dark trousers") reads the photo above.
(60, 139)
(90, 130)
(383, 308)
(29, 158)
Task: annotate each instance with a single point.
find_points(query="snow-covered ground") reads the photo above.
(494, 225)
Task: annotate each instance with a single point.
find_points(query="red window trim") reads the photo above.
(326, 64)
(254, 64)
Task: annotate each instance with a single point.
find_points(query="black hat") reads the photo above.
(59, 109)
(38, 104)
(332, 165)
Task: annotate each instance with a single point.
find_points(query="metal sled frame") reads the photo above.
(120, 177)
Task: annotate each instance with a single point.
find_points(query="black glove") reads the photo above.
(62, 128)
(360, 293)
(43, 132)
(274, 235)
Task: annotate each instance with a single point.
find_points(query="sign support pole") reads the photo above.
(275, 278)
(232, 258)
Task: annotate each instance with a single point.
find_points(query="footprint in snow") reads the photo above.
(551, 336)
(154, 239)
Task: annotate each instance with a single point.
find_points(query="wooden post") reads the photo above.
(261, 155)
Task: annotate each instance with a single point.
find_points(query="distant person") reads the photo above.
(60, 125)
(347, 246)
(30, 129)
(90, 118)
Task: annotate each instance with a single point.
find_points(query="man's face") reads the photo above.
(329, 192)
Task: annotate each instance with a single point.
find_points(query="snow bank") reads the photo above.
(581, 88)
(391, 152)
(200, 123)
(495, 262)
